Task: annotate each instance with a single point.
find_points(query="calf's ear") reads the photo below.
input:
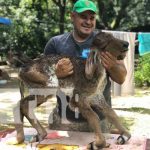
(90, 66)
(101, 40)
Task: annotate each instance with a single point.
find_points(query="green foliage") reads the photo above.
(124, 14)
(138, 14)
(34, 22)
(142, 73)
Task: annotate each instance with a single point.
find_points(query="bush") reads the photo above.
(142, 73)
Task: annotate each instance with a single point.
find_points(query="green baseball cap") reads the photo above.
(83, 5)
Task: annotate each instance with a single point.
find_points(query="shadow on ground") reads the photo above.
(135, 109)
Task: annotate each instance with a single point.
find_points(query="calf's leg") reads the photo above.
(114, 119)
(26, 107)
(93, 121)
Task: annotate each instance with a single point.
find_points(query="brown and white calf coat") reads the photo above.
(88, 79)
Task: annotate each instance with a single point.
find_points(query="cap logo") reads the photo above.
(87, 3)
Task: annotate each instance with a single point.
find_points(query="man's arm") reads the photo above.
(64, 66)
(115, 68)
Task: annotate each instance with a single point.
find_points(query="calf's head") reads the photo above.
(107, 42)
(104, 42)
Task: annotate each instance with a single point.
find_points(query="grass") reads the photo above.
(127, 122)
(6, 126)
(140, 92)
(136, 109)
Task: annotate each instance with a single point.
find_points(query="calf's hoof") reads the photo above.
(38, 138)
(122, 139)
(93, 146)
(20, 138)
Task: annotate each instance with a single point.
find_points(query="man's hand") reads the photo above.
(108, 60)
(64, 68)
(116, 68)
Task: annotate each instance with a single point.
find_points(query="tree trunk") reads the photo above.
(62, 8)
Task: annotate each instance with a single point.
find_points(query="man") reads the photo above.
(76, 42)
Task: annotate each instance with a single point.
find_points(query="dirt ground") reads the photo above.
(134, 111)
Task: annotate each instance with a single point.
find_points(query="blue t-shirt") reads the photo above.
(66, 45)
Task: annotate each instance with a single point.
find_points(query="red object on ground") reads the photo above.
(3, 133)
(54, 135)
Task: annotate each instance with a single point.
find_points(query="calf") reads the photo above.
(88, 80)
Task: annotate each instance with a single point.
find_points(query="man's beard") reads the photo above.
(81, 34)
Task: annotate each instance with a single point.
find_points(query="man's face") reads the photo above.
(84, 23)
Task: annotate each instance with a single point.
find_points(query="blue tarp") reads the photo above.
(144, 43)
(5, 21)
